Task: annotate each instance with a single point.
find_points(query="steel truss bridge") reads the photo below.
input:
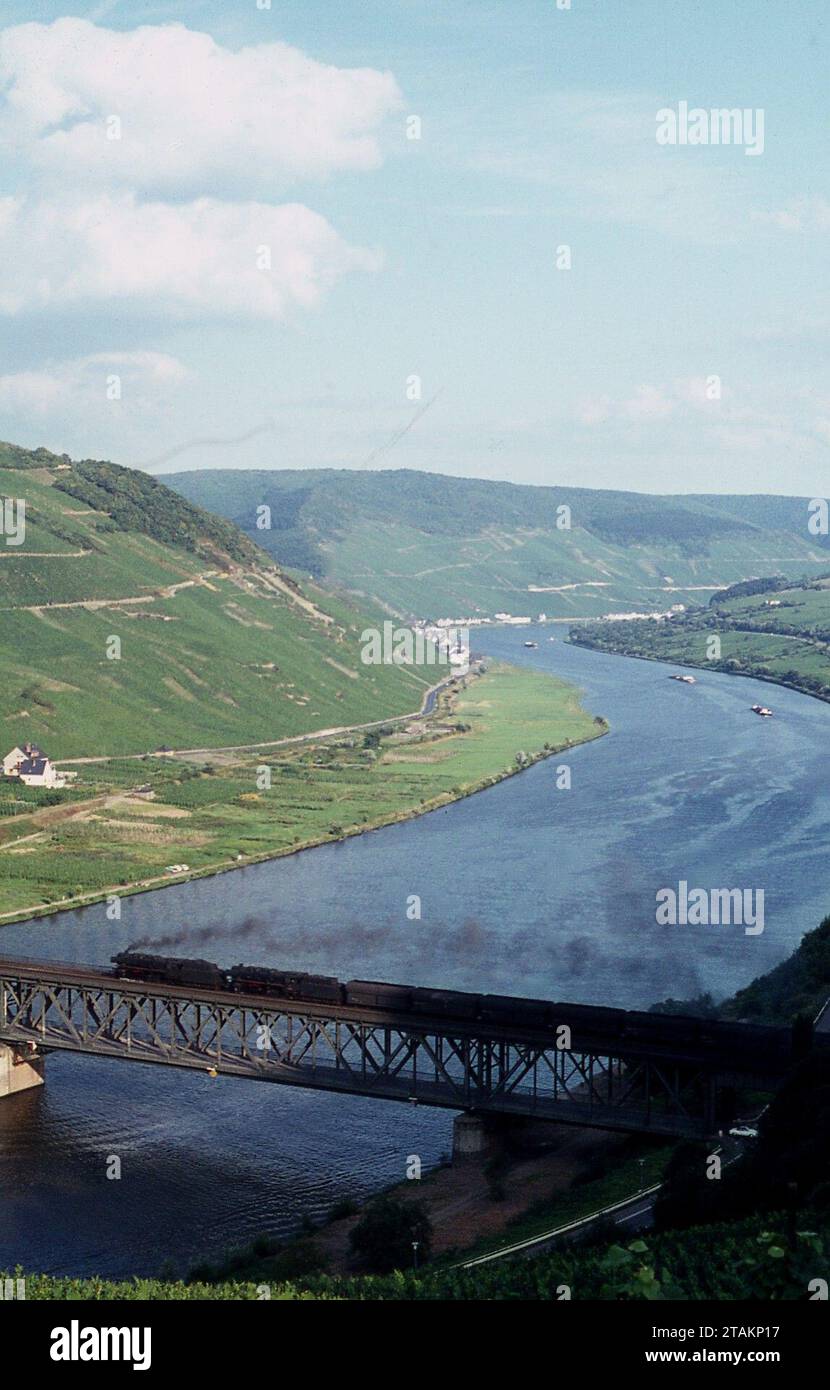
(606, 1077)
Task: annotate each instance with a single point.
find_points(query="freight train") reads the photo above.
(584, 1020)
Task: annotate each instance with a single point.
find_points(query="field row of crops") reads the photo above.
(760, 1259)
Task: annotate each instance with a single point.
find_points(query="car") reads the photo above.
(744, 1132)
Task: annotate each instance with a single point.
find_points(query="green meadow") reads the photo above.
(222, 810)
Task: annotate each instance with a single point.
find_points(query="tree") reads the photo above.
(384, 1236)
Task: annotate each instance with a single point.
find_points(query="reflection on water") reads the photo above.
(524, 888)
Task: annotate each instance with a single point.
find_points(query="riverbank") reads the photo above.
(190, 817)
(554, 1174)
(783, 639)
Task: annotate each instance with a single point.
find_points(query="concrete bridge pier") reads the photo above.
(472, 1136)
(20, 1068)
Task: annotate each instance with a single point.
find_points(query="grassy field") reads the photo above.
(214, 812)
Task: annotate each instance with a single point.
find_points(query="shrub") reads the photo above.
(384, 1236)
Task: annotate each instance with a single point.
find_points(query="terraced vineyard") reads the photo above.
(216, 646)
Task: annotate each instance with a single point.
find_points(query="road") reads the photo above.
(630, 1215)
(427, 707)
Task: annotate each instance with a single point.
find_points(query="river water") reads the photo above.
(524, 888)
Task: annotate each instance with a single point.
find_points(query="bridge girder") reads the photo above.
(317, 1047)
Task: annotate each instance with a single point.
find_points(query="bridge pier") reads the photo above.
(471, 1136)
(20, 1068)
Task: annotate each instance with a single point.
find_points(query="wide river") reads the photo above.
(525, 889)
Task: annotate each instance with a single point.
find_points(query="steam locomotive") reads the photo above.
(668, 1030)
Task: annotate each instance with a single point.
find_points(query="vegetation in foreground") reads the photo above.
(761, 1233)
(129, 822)
(764, 1257)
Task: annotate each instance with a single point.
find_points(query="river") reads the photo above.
(525, 888)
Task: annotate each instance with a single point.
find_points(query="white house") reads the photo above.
(32, 766)
(12, 761)
(39, 772)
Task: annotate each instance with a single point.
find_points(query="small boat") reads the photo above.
(531, 644)
(687, 680)
(762, 710)
(551, 639)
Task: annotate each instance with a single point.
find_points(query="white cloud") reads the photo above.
(650, 403)
(194, 117)
(80, 382)
(187, 260)
(805, 214)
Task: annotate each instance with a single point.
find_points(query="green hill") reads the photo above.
(428, 545)
(217, 645)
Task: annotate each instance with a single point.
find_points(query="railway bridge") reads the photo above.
(641, 1073)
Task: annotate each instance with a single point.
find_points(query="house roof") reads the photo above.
(29, 750)
(33, 767)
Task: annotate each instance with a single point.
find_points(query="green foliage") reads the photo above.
(786, 1167)
(386, 1234)
(800, 984)
(137, 502)
(762, 1258)
(210, 655)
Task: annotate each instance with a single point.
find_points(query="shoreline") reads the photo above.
(40, 911)
(706, 666)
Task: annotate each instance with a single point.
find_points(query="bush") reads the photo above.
(384, 1236)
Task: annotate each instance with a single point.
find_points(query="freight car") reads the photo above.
(528, 1013)
(374, 994)
(445, 1003)
(591, 1027)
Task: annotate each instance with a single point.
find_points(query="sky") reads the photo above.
(431, 234)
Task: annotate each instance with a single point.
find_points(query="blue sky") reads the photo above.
(136, 258)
